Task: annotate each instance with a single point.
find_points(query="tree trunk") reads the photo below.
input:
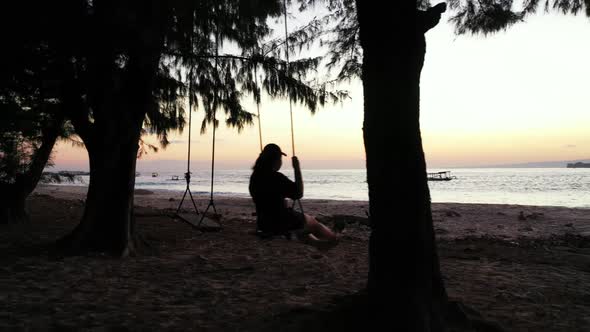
(13, 196)
(405, 285)
(107, 222)
(122, 97)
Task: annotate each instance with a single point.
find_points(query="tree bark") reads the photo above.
(404, 283)
(107, 222)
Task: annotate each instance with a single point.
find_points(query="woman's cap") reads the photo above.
(272, 150)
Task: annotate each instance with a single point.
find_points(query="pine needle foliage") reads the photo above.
(93, 44)
(489, 16)
(338, 30)
(31, 111)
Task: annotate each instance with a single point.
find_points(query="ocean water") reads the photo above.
(528, 186)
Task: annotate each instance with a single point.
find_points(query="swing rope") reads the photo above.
(215, 102)
(258, 106)
(289, 74)
(214, 114)
(290, 99)
(187, 175)
(190, 115)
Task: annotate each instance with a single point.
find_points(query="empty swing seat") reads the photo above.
(205, 224)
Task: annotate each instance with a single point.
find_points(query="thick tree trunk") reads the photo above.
(107, 223)
(405, 285)
(112, 143)
(121, 98)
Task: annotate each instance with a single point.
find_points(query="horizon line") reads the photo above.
(227, 165)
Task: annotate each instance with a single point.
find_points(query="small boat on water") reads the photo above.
(155, 174)
(137, 174)
(441, 176)
(174, 178)
(578, 165)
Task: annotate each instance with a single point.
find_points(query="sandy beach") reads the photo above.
(452, 220)
(521, 267)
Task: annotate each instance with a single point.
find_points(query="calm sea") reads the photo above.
(528, 186)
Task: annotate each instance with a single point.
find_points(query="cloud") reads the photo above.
(569, 146)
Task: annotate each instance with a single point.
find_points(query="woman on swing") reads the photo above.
(269, 188)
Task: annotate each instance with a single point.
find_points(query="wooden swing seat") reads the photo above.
(205, 224)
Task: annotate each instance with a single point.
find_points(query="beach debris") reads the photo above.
(171, 199)
(569, 225)
(451, 213)
(534, 216)
(526, 229)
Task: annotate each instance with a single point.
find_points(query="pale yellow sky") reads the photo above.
(517, 96)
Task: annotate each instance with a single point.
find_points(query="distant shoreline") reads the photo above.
(161, 198)
(146, 170)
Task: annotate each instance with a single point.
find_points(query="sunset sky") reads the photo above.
(517, 96)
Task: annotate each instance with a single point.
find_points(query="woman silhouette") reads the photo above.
(269, 188)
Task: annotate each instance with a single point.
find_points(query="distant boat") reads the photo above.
(174, 178)
(137, 174)
(154, 175)
(578, 165)
(440, 176)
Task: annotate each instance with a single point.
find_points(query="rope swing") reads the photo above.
(209, 225)
(289, 74)
(290, 99)
(187, 175)
(258, 107)
(215, 102)
(216, 224)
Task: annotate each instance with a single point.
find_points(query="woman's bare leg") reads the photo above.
(319, 230)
